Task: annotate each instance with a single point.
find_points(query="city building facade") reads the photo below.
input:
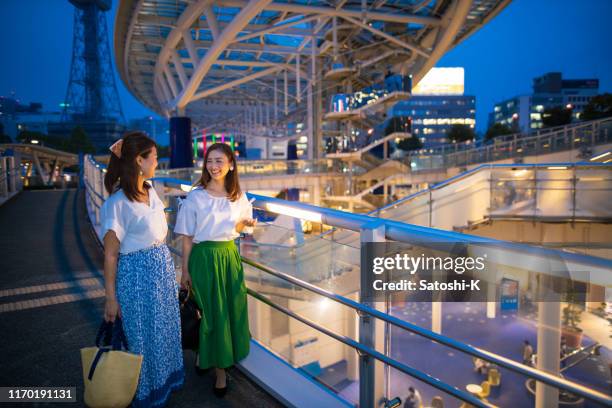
(524, 113)
(437, 103)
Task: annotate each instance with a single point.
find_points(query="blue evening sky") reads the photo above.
(527, 39)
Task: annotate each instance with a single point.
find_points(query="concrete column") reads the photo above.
(180, 142)
(316, 192)
(436, 317)
(491, 304)
(385, 193)
(548, 345)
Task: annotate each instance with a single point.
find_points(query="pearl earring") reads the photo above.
(140, 172)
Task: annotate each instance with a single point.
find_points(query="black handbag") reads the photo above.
(190, 321)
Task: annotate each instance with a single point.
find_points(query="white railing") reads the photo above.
(10, 178)
(516, 256)
(582, 136)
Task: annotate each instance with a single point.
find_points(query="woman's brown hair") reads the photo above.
(122, 172)
(232, 185)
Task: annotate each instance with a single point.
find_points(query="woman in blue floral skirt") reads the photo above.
(139, 274)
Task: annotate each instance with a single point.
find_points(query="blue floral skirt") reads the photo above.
(147, 292)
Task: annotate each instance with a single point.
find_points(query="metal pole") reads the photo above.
(371, 331)
(286, 93)
(298, 90)
(275, 100)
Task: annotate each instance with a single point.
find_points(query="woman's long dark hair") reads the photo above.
(232, 185)
(123, 172)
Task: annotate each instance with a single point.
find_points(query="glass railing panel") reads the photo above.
(258, 168)
(326, 360)
(519, 291)
(320, 261)
(462, 201)
(415, 210)
(555, 195)
(593, 187)
(513, 192)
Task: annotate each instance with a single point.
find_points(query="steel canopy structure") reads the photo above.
(225, 63)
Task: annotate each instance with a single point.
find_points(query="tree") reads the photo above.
(461, 133)
(497, 129)
(79, 142)
(398, 124)
(599, 106)
(4, 138)
(556, 116)
(26, 136)
(410, 143)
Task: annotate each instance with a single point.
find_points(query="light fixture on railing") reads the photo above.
(600, 156)
(519, 173)
(294, 212)
(323, 304)
(186, 187)
(557, 167)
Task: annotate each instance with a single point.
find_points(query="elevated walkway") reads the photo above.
(52, 301)
(316, 334)
(361, 113)
(562, 143)
(561, 205)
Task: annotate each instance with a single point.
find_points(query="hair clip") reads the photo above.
(116, 148)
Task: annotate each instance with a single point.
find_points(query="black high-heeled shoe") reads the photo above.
(220, 392)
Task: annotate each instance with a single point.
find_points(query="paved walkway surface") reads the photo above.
(51, 302)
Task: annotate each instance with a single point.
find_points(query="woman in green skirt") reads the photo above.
(210, 218)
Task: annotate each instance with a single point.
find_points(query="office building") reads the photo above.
(524, 113)
(436, 104)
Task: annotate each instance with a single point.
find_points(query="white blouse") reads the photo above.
(208, 218)
(137, 225)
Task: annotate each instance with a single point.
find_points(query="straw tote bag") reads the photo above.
(110, 374)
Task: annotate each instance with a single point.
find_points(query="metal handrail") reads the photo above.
(501, 361)
(402, 232)
(451, 148)
(399, 231)
(426, 378)
(467, 173)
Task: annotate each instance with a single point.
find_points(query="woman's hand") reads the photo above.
(247, 222)
(186, 280)
(111, 310)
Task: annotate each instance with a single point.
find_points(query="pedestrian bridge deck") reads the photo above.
(52, 299)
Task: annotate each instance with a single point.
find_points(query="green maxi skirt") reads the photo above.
(220, 292)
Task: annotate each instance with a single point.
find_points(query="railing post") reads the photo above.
(574, 186)
(4, 175)
(371, 331)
